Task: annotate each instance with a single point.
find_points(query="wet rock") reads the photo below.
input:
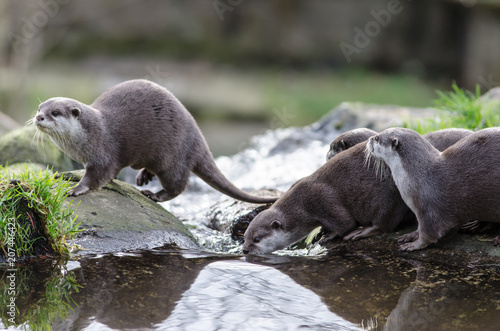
(20, 146)
(233, 216)
(460, 249)
(119, 218)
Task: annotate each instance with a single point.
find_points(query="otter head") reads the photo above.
(336, 147)
(61, 120)
(383, 147)
(271, 230)
(58, 116)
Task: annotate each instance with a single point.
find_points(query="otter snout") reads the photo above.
(39, 118)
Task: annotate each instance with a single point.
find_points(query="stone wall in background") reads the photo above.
(425, 37)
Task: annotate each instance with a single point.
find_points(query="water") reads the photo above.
(169, 289)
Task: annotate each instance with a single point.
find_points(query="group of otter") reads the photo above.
(371, 182)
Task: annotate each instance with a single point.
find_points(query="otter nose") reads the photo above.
(40, 118)
(246, 251)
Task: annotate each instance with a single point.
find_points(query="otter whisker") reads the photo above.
(379, 166)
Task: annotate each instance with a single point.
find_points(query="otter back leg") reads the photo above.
(173, 185)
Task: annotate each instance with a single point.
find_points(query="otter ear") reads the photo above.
(275, 225)
(342, 143)
(394, 143)
(76, 112)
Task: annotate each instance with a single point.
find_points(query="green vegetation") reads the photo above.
(34, 217)
(460, 109)
(310, 95)
(43, 295)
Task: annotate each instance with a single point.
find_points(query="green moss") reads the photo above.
(34, 219)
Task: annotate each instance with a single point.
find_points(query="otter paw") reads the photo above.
(408, 238)
(143, 177)
(78, 190)
(327, 237)
(496, 241)
(413, 246)
(150, 195)
(471, 227)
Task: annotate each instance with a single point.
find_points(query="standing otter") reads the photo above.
(444, 190)
(140, 124)
(338, 196)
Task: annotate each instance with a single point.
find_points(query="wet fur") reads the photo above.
(444, 189)
(139, 124)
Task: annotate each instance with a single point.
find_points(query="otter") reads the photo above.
(291, 218)
(140, 124)
(440, 139)
(347, 140)
(444, 189)
(338, 196)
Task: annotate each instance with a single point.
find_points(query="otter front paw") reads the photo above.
(413, 246)
(143, 177)
(496, 241)
(78, 190)
(327, 237)
(409, 237)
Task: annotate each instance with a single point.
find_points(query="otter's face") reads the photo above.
(384, 147)
(57, 115)
(336, 147)
(271, 230)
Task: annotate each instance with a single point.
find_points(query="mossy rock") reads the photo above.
(119, 218)
(19, 146)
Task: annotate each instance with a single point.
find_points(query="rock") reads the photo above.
(233, 216)
(119, 218)
(20, 146)
(352, 115)
(19, 168)
(7, 124)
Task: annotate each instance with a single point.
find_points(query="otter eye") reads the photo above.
(376, 138)
(56, 113)
(256, 240)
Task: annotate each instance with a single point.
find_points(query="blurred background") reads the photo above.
(242, 66)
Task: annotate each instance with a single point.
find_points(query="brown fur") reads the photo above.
(347, 140)
(445, 190)
(338, 196)
(140, 124)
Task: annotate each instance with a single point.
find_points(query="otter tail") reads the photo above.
(207, 170)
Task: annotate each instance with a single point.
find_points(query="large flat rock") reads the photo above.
(119, 218)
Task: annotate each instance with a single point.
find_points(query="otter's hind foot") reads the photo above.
(158, 197)
(144, 177)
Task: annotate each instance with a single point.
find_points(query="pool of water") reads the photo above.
(170, 289)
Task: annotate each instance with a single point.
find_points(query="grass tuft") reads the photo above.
(459, 109)
(34, 218)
